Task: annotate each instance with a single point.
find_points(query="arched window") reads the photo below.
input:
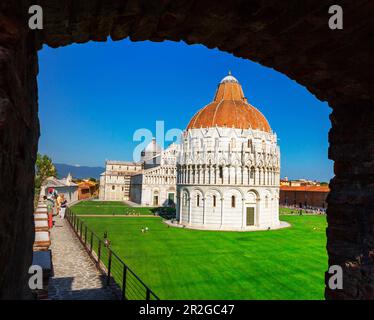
(232, 201)
(198, 200)
(214, 201)
(113, 187)
(249, 145)
(220, 172)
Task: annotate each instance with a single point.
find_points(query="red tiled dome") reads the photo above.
(229, 109)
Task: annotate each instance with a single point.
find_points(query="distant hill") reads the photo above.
(80, 172)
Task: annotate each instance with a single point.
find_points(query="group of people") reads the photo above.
(300, 209)
(56, 205)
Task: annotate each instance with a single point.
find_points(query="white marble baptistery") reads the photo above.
(229, 165)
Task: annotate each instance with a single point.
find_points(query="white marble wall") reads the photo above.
(158, 181)
(217, 164)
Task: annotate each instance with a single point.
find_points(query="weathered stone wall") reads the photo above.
(19, 132)
(290, 36)
(351, 201)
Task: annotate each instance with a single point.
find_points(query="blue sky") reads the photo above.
(94, 96)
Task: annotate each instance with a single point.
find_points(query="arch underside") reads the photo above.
(291, 37)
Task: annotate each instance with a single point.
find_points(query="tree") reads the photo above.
(44, 169)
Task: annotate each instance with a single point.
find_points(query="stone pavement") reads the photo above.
(75, 275)
(131, 204)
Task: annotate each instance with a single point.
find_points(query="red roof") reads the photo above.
(306, 188)
(229, 109)
(86, 184)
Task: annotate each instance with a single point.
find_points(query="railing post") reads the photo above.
(80, 229)
(85, 235)
(91, 242)
(148, 294)
(109, 266)
(124, 282)
(99, 253)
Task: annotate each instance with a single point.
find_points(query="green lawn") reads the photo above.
(191, 264)
(283, 210)
(108, 208)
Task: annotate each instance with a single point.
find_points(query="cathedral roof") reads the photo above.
(229, 109)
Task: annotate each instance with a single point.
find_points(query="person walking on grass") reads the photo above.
(63, 205)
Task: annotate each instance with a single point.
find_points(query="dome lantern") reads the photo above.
(229, 78)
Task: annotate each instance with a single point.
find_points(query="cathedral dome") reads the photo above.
(229, 109)
(151, 150)
(153, 146)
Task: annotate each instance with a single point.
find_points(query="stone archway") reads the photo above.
(293, 38)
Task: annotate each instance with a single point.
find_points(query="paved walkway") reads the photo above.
(131, 204)
(75, 275)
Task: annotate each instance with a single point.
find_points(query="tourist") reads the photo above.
(58, 202)
(50, 206)
(63, 205)
(56, 206)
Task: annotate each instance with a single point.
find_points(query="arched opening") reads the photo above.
(238, 28)
(155, 198)
(233, 202)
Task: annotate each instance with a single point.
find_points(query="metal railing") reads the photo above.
(119, 276)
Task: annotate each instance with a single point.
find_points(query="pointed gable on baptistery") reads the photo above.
(229, 109)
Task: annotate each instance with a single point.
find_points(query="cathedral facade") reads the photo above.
(228, 171)
(150, 182)
(155, 185)
(115, 181)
